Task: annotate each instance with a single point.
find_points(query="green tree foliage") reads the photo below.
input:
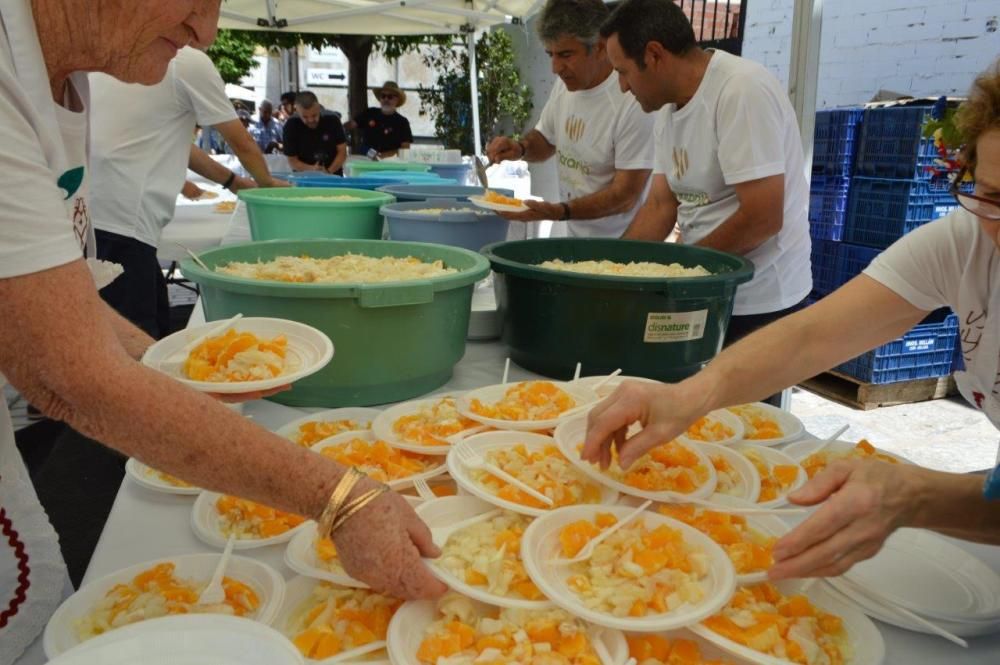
(504, 101)
(232, 52)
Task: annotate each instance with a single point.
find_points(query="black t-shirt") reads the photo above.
(383, 132)
(314, 146)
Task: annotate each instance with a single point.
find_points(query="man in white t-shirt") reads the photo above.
(729, 169)
(140, 147)
(597, 132)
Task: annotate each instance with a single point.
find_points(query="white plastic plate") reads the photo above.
(499, 207)
(610, 385)
(369, 435)
(451, 509)
(192, 639)
(540, 544)
(300, 556)
(297, 591)
(61, 634)
(492, 394)
(490, 441)
(769, 525)
(728, 419)
(408, 625)
(774, 458)
(570, 434)
(790, 425)
(309, 351)
(865, 639)
(147, 477)
(382, 426)
(362, 415)
(749, 485)
(800, 450)
(205, 523)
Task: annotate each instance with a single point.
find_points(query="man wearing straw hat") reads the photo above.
(383, 128)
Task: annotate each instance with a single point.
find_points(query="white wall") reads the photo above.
(917, 47)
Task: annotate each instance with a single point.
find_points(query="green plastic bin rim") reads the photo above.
(367, 165)
(289, 196)
(741, 270)
(471, 267)
(452, 211)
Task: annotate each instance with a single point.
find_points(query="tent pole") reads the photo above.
(807, 28)
(474, 89)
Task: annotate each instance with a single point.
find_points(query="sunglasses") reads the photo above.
(977, 205)
(388, 95)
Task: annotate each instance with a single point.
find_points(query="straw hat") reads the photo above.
(393, 87)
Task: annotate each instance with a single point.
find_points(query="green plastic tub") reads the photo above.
(664, 329)
(295, 212)
(393, 341)
(357, 167)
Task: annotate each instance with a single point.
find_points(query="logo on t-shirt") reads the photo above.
(575, 127)
(70, 181)
(81, 221)
(680, 162)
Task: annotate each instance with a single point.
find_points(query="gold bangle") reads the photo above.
(355, 506)
(337, 498)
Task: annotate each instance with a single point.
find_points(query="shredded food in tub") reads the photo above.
(636, 570)
(251, 521)
(630, 269)
(863, 450)
(528, 400)
(157, 592)
(462, 635)
(653, 649)
(748, 549)
(431, 423)
(314, 431)
(488, 555)
(757, 423)
(670, 467)
(344, 269)
(545, 471)
(379, 460)
(709, 430)
(335, 619)
(775, 480)
(790, 627)
(237, 356)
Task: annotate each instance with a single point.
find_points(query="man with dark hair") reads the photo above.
(286, 106)
(729, 168)
(314, 140)
(597, 131)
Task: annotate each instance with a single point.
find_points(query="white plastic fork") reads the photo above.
(596, 637)
(473, 460)
(587, 550)
(440, 534)
(194, 257)
(748, 509)
(214, 593)
(830, 439)
(351, 654)
(211, 332)
(423, 489)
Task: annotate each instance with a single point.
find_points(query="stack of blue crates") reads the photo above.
(870, 185)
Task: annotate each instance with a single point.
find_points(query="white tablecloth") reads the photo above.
(195, 225)
(145, 525)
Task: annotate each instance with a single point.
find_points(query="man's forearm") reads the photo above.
(536, 148)
(617, 198)
(741, 234)
(202, 163)
(652, 222)
(339, 159)
(954, 504)
(298, 165)
(252, 160)
(133, 338)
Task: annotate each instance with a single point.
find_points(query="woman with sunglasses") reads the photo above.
(953, 262)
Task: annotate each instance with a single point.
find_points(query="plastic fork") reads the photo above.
(587, 550)
(214, 593)
(351, 654)
(596, 637)
(830, 439)
(211, 332)
(465, 433)
(440, 534)
(423, 489)
(473, 460)
(194, 257)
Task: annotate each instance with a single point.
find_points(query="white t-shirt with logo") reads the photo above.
(738, 127)
(952, 262)
(596, 132)
(140, 143)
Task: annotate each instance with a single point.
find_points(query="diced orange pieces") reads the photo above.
(495, 197)
(529, 400)
(574, 536)
(210, 360)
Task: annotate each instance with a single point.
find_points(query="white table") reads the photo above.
(145, 525)
(196, 225)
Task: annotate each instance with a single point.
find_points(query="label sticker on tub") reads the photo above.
(675, 326)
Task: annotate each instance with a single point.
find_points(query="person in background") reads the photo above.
(314, 140)
(953, 262)
(729, 168)
(597, 132)
(383, 128)
(245, 118)
(267, 131)
(286, 106)
(139, 150)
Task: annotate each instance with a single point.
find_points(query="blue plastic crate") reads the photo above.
(834, 140)
(880, 211)
(852, 260)
(824, 259)
(891, 145)
(926, 351)
(828, 207)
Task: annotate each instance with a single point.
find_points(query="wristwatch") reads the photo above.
(229, 182)
(566, 211)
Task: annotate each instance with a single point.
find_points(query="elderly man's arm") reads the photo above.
(248, 152)
(759, 217)
(134, 340)
(657, 216)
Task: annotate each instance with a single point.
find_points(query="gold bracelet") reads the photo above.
(337, 498)
(355, 506)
